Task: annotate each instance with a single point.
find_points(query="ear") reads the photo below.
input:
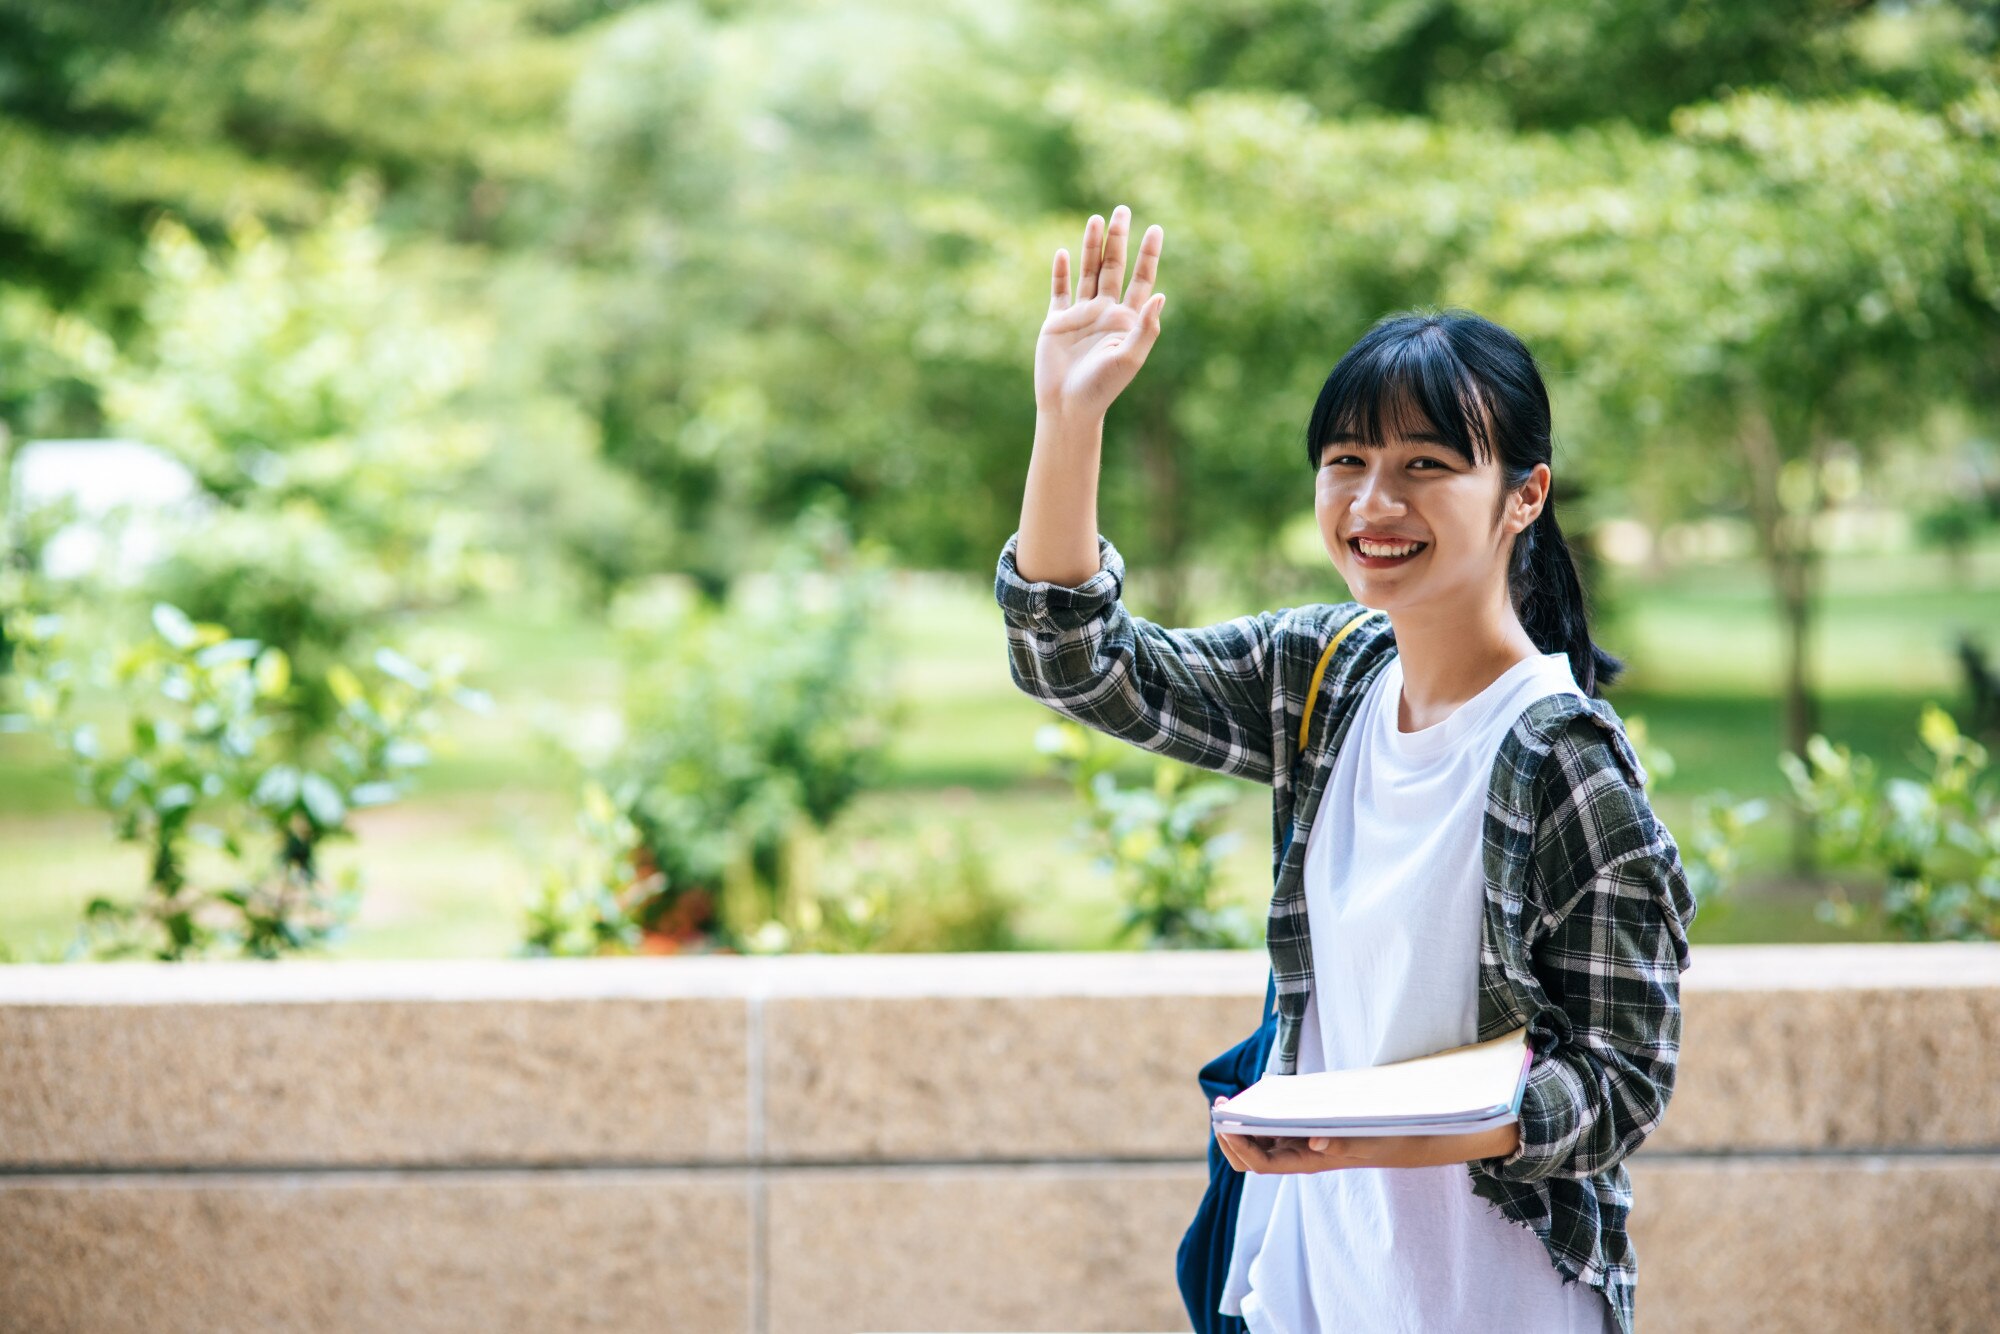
(1525, 505)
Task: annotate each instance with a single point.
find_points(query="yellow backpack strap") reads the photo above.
(1319, 673)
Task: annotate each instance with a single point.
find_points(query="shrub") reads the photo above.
(935, 892)
(1936, 842)
(209, 754)
(1712, 851)
(323, 404)
(593, 904)
(1161, 843)
(743, 723)
(853, 892)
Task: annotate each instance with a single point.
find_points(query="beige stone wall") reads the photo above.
(873, 1144)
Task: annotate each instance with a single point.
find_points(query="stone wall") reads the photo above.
(941, 1142)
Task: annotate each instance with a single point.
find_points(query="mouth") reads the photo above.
(1410, 551)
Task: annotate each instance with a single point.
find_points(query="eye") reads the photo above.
(1435, 464)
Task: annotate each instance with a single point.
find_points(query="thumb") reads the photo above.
(1140, 343)
(1319, 1142)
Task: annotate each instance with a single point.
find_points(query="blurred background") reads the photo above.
(492, 477)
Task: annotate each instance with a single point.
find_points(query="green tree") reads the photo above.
(113, 111)
(1524, 64)
(1778, 284)
(319, 406)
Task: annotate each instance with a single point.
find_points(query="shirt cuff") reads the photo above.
(1062, 605)
(1546, 1109)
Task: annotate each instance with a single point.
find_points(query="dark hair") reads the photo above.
(1431, 370)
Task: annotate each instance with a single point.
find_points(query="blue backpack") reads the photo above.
(1203, 1259)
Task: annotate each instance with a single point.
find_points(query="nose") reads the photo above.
(1376, 497)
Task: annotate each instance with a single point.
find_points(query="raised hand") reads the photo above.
(1094, 341)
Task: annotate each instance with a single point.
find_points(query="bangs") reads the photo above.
(1401, 380)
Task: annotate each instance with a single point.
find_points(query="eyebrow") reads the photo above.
(1417, 437)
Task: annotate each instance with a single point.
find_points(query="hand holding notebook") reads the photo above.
(1459, 1091)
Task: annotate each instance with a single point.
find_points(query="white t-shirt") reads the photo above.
(1395, 894)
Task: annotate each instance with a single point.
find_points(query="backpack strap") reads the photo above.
(1319, 673)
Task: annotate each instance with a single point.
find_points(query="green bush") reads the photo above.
(743, 723)
(322, 403)
(25, 533)
(935, 892)
(594, 902)
(1936, 843)
(1712, 851)
(209, 757)
(1161, 843)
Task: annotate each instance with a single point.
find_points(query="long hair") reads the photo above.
(1433, 370)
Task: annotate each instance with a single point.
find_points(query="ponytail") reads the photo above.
(1548, 598)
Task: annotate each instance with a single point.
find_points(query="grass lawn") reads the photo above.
(446, 870)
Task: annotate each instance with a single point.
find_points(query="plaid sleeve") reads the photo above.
(1201, 696)
(1607, 938)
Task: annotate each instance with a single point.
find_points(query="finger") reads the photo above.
(1147, 270)
(1223, 1142)
(1140, 341)
(1067, 319)
(1319, 1143)
(1113, 272)
(1090, 253)
(1059, 282)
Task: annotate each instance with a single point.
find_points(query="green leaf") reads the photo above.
(406, 754)
(374, 794)
(229, 650)
(400, 667)
(278, 789)
(274, 673)
(323, 801)
(345, 685)
(174, 625)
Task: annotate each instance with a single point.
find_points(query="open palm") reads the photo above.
(1094, 341)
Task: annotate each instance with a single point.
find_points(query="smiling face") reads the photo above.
(1413, 489)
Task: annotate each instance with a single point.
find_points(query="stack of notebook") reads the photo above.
(1456, 1092)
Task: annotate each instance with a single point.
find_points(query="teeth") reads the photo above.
(1379, 549)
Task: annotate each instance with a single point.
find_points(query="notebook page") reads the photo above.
(1464, 1082)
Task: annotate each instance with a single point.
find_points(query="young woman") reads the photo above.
(1462, 843)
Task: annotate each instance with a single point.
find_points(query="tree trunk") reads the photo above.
(1785, 540)
(1159, 461)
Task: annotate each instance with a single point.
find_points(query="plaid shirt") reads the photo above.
(1587, 905)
